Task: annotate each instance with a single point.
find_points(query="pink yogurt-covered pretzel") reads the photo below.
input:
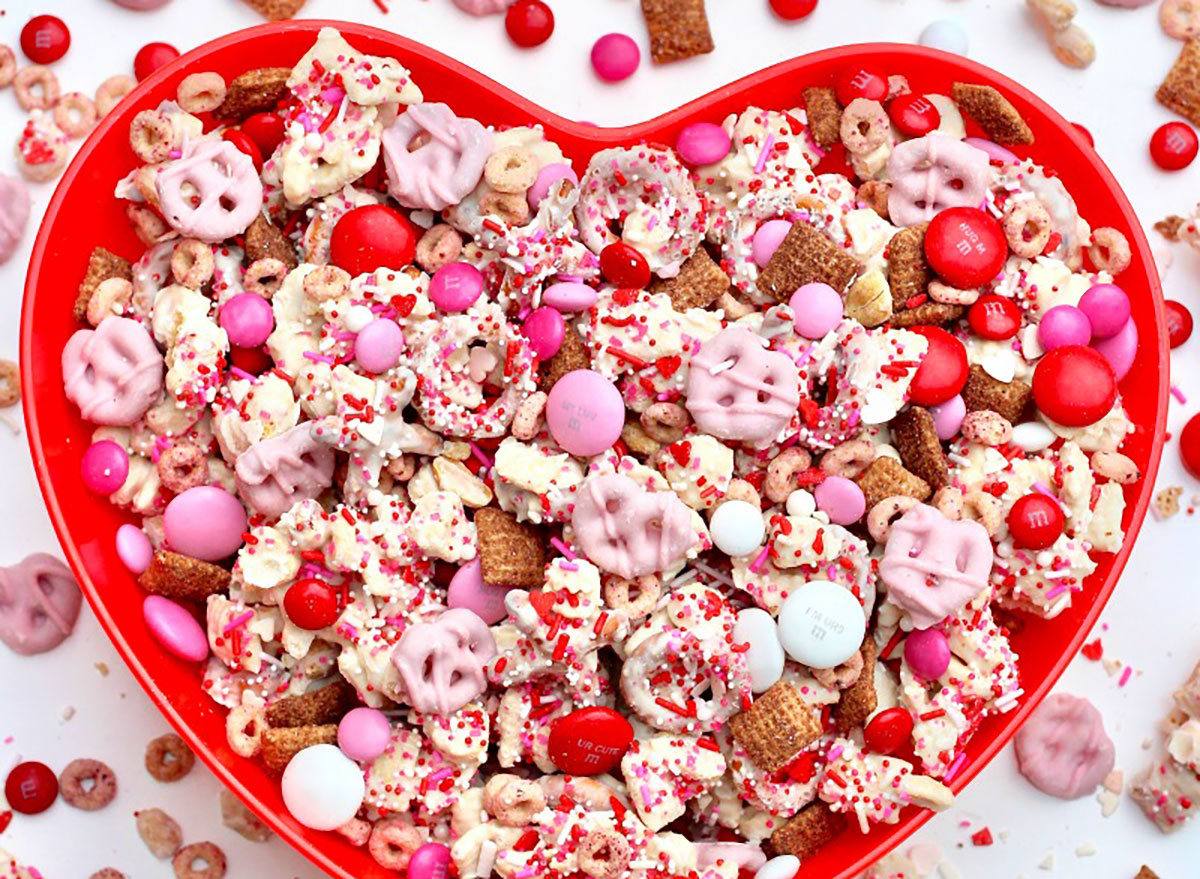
(224, 180)
(276, 473)
(39, 603)
(434, 158)
(1063, 749)
(932, 173)
(14, 214)
(482, 7)
(442, 663)
(113, 373)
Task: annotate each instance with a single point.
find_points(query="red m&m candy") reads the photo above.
(994, 317)
(1035, 521)
(31, 788)
(311, 604)
(793, 10)
(913, 114)
(590, 741)
(1074, 385)
(965, 246)
(624, 266)
(860, 82)
(372, 237)
(1179, 322)
(45, 39)
(245, 145)
(888, 731)
(151, 57)
(1189, 446)
(1174, 146)
(529, 23)
(943, 370)
(265, 129)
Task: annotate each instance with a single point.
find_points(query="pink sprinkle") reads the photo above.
(1125, 675)
(955, 767)
(480, 456)
(757, 564)
(241, 373)
(1056, 591)
(568, 566)
(768, 145)
(563, 548)
(1042, 488)
(238, 622)
(319, 358)
(834, 753)
(441, 773)
(1178, 395)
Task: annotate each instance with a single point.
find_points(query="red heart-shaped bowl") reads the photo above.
(84, 213)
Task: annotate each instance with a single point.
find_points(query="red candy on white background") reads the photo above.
(45, 39)
(1074, 385)
(1189, 446)
(1174, 146)
(589, 741)
(965, 246)
(943, 369)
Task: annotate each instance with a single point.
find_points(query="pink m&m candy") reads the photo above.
(927, 653)
(841, 499)
(456, 286)
(1107, 308)
(546, 179)
(363, 733)
(468, 589)
(703, 143)
(1064, 325)
(205, 522)
(378, 346)
(615, 57)
(585, 413)
(247, 319)
(545, 329)
(948, 417)
(767, 240)
(105, 466)
(175, 628)
(1120, 349)
(816, 309)
(569, 296)
(134, 548)
(430, 861)
(995, 152)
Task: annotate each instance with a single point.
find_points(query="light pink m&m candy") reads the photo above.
(816, 309)
(1120, 349)
(322, 787)
(1107, 308)
(134, 548)
(615, 57)
(841, 499)
(1064, 325)
(585, 413)
(927, 653)
(569, 296)
(948, 417)
(175, 628)
(767, 240)
(205, 522)
(363, 733)
(105, 466)
(247, 319)
(545, 329)
(468, 589)
(378, 345)
(546, 179)
(703, 143)
(456, 286)
(430, 861)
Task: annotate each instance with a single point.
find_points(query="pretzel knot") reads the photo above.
(933, 173)
(212, 192)
(442, 663)
(274, 474)
(39, 603)
(433, 158)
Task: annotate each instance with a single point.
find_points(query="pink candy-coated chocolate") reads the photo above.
(994, 151)
(1107, 309)
(205, 522)
(442, 171)
(569, 297)
(703, 143)
(841, 499)
(379, 345)
(767, 240)
(1063, 749)
(932, 566)
(212, 192)
(430, 861)
(14, 214)
(1120, 349)
(247, 319)
(545, 329)
(104, 467)
(468, 590)
(747, 856)
(927, 653)
(628, 531)
(546, 178)
(1064, 325)
(278, 472)
(816, 310)
(141, 5)
(39, 604)
(456, 286)
(615, 57)
(948, 417)
(174, 627)
(134, 548)
(441, 663)
(932, 173)
(113, 373)
(363, 733)
(585, 413)
(483, 7)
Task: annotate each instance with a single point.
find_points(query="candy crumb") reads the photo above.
(1047, 863)
(1109, 802)
(102, 667)
(982, 837)
(1086, 850)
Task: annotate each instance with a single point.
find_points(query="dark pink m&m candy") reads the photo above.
(105, 466)
(966, 247)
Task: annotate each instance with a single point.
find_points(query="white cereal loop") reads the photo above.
(985, 509)
(881, 516)
(265, 276)
(510, 170)
(632, 599)
(528, 420)
(111, 297)
(1027, 227)
(192, 263)
(782, 472)
(1109, 250)
(36, 88)
(1180, 19)
(987, 428)
(848, 459)
(151, 136)
(947, 295)
(201, 92)
(75, 114)
(112, 91)
(8, 66)
(665, 422)
(865, 126)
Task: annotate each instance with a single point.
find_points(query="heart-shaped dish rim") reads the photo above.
(86, 524)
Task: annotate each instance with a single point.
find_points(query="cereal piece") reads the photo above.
(264, 240)
(255, 91)
(886, 477)
(511, 170)
(87, 784)
(927, 313)
(1146, 873)
(276, 10)
(1053, 15)
(281, 745)
(859, 700)
(102, 265)
(238, 818)
(104, 873)
(181, 466)
(1073, 47)
(180, 577)
(75, 115)
(168, 758)
(149, 227)
(36, 88)
(151, 136)
(10, 383)
(112, 91)
(314, 708)
(1166, 502)
(865, 127)
(639, 443)
(908, 270)
(874, 195)
(1180, 91)
(1109, 250)
(201, 92)
(1169, 227)
(699, 284)
(986, 427)
(824, 115)
(806, 257)
(510, 553)
(678, 29)
(200, 860)
(776, 727)
(571, 356)
(805, 834)
(994, 113)
(1180, 19)
(159, 831)
(916, 439)
(984, 392)
(440, 245)
(8, 66)
(192, 263)
(869, 300)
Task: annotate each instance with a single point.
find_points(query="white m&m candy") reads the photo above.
(322, 787)
(821, 624)
(801, 503)
(737, 528)
(782, 867)
(764, 658)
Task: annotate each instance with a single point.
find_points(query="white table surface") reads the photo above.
(1151, 621)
